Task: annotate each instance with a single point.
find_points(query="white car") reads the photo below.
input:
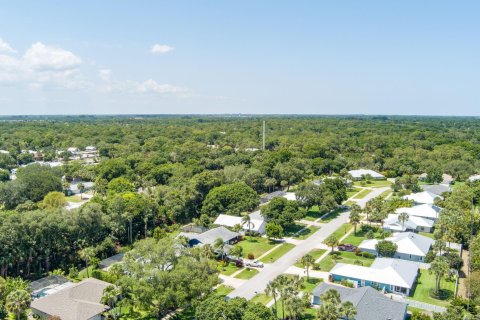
(254, 263)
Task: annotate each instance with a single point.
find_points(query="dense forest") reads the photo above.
(155, 173)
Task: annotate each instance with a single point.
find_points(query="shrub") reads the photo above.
(430, 256)
(358, 263)
(370, 234)
(368, 255)
(316, 266)
(346, 283)
(251, 256)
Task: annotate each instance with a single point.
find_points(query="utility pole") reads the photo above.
(263, 145)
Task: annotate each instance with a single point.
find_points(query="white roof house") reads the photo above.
(90, 148)
(413, 223)
(410, 246)
(424, 197)
(427, 211)
(383, 271)
(4, 152)
(256, 225)
(360, 173)
(474, 177)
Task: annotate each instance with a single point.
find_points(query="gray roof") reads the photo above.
(437, 189)
(272, 195)
(80, 301)
(370, 304)
(105, 263)
(210, 236)
(47, 281)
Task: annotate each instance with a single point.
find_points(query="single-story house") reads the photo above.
(269, 196)
(447, 179)
(368, 302)
(90, 149)
(437, 189)
(413, 223)
(210, 236)
(427, 211)
(386, 274)
(361, 173)
(75, 190)
(48, 285)
(425, 197)
(474, 178)
(255, 225)
(410, 246)
(80, 301)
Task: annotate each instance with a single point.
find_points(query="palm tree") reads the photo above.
(87, 254)
(81, 188)
(328, 311)
(111, 295)
(331, 241)
(17, 302)
(208, 251)
(332, 296)
(219, 245)
(246, 220)
(236, 251)
(355, 211)
(403, 217)
(272, 290)
(348, 310)
(307, 261)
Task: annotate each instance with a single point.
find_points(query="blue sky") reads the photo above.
(311, 57)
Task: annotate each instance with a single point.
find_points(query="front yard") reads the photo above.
(223, 290)
(247, 273)
(362, 194)
(277, 253)
(316, 253)
(329, 262)
(227, 268)
(426, 284)
(373, 184)
(256, 246)
(343, 230)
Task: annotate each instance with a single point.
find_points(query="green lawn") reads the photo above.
(340, 232)
(227, 269)
(352, 192)
(427, 234)
(343, 257)
(349, 202)
(332, 215)
(307, 232)
(425, 283)
(74, 198)
(313, 214)
(277, 253)
(385, 193)
(256, 245)
(357, 238)
(262, 298)
(294, 230)
(247, 273)
(223, 290)
(316, 253)
(362, 194)
(374, 184)
(310, 284)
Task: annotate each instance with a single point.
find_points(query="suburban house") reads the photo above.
(269, 196)
(427, 211)
(255, 225)
(437, 189)
(361, 173)
(369, 303)
(48, 285)
(386, 274)
(410, 246)
(425, 197)
(447, 179)
(80, 301)
(74, 189)
(210, 236)
(417, 224)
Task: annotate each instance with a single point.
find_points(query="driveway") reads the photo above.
(258, 283)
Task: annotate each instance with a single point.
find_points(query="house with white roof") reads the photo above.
(425, 197)
(410, 246)
(361, 173)
(417, 224)
(474, 178)
(427, 211)
(255, 225)
(386, 274)
(210, 237)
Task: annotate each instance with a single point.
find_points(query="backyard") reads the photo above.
(329, 261)
(426, 283)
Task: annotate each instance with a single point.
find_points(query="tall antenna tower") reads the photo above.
(263, 144)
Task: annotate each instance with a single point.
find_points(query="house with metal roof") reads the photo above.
(437, 189)
(410, 246)
(361, 173)
(385, 274)
(369, 303)
(255, 225)
(80, 301)
(427, 211)
(425, 197)
(210, 236)
(417, 224)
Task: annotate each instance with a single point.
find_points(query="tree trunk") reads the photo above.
(283, 309)
(131, 231)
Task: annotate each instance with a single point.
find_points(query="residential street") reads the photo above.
(258, 283)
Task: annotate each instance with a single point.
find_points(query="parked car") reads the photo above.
(347, 247)
(254, 263)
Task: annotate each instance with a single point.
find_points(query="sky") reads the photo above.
(230, 57)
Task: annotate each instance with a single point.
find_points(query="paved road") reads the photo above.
(258, 283)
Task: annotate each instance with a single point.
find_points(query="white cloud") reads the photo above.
(161, 48)
(42, 57)
(105, 74)
(151, 85)
(5, 47)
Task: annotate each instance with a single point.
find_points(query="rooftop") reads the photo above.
(407, 242)
(422, 197)
(423, 210)
(359, 173)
